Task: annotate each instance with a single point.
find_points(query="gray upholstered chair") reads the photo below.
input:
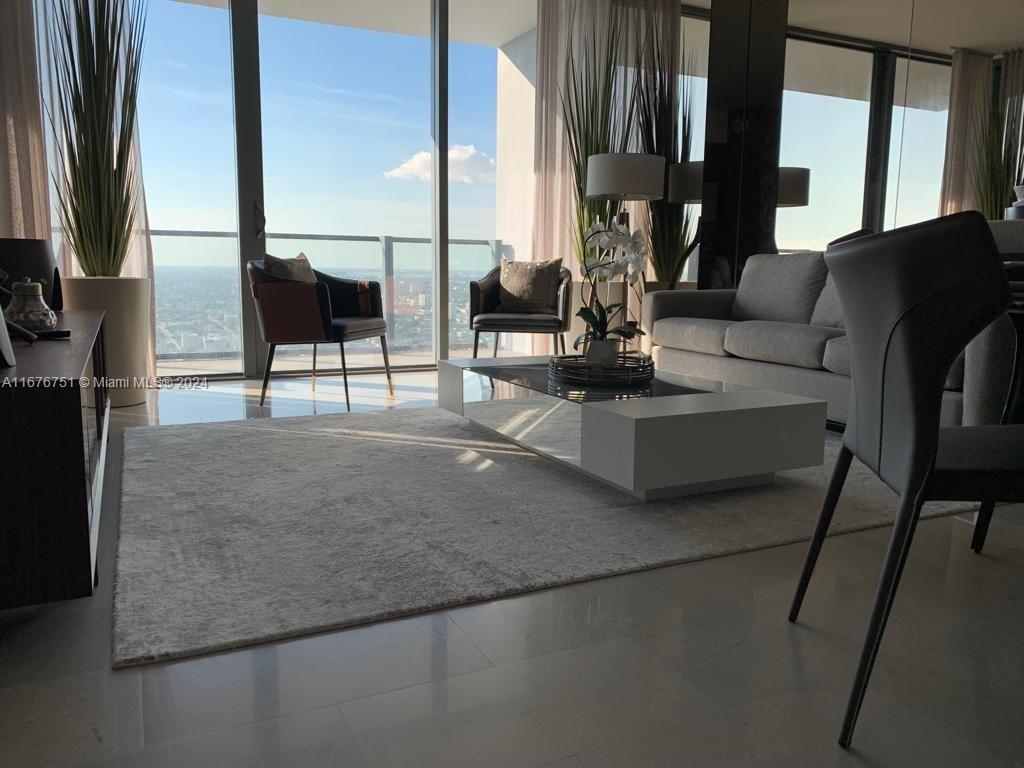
(332, 309)
(484, 299)
(913, 298)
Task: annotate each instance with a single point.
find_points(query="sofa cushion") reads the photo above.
(784, 343)
(782, 287)
(837, 360)
(510, 320)
(696, 334)
(828, 311)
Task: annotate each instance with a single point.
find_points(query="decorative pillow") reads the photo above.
(297, 269)
(529, 286)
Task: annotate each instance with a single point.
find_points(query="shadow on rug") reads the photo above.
(243, 532)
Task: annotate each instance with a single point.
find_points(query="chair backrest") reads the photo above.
(912, 298)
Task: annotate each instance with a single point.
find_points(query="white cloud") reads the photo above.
(466, 165)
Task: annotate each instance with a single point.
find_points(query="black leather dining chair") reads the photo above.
(913, 298)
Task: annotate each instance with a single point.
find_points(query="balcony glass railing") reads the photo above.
(198, 327)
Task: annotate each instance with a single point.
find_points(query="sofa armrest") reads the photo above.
(988, 369)
(714, 304)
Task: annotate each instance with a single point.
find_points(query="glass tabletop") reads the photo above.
(534, 376)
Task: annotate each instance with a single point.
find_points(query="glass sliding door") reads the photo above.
(825, 111)
(695, 39)
(918, 146)
(492, 57)
(186, 131)
(825, 108)
(345, 92)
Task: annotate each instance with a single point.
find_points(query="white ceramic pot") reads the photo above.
(125, 300)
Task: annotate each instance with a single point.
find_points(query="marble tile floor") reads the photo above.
(691, 665)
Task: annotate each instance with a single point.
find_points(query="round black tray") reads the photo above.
(633, 370)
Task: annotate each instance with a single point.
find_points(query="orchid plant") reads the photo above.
(602, 263)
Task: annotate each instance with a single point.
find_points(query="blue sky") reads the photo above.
(346, 119)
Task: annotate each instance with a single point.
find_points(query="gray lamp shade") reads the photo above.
(33, 259)
(626, 176)
(686, 182)
(794, 187)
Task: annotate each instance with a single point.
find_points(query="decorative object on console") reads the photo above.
(97, 54)
(28, 308)
(21, 257)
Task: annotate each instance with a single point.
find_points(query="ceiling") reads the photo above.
(485, 22)
(934, 25)
(938, 25)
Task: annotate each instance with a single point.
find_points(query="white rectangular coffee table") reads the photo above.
(660, 441)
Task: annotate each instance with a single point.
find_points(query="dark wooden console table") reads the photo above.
(53, 440)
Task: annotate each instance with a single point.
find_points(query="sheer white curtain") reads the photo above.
(139, 262)
(24, 194)
(1011, 94)
(558, 23)
(970, 100)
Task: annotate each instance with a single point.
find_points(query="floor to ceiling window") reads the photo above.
(492, 57)
(345, 96)
(917, 149)
(825, 128)
(186, 130)
(694, 37)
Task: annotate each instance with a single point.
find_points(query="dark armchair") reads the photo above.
(484, 318)
(331, 310)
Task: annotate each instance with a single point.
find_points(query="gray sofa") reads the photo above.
(783, 330)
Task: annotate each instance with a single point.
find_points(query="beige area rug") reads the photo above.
(243, 532)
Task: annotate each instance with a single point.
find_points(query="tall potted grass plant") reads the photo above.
(97, 52)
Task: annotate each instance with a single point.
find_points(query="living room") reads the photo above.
(535, 383)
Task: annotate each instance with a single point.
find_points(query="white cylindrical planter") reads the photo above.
(125, 300)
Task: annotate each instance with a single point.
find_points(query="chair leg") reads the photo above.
(476, 343)
(496, 337)
(895, 560)
(561, 337)
(344, 374)
(314, 367)
(828, 507)
(554, 340)
(387, 364)
(981, 525)
(266, 373)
